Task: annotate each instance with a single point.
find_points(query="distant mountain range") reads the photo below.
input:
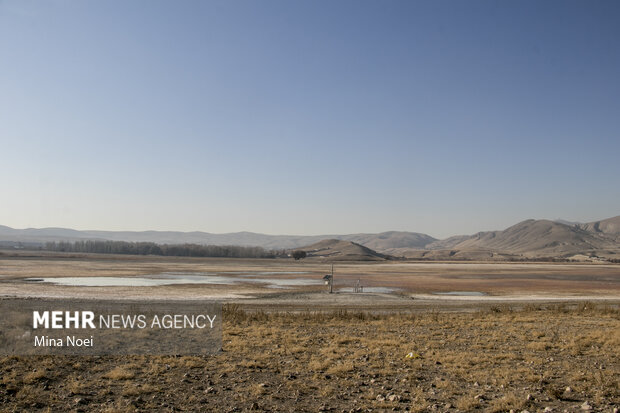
(527, 239)
(384, 240)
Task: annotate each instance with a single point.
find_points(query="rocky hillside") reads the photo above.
(527, 239)
(335, 249)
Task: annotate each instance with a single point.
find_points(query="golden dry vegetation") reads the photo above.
(494, 360)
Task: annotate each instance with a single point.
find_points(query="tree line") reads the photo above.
(151, 248)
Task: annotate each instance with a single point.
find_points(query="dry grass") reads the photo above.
(34, 376)
(486, 361)
(119, 373)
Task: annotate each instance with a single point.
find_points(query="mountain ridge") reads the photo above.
(243, 238)
(527, 239)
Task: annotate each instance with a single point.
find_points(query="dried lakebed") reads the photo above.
(180, 278)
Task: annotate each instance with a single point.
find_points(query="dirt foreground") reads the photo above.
(533, 359)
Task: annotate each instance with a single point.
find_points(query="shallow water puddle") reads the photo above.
(386, 290)
(176, 278)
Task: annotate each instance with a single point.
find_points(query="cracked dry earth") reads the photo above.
(533, 359)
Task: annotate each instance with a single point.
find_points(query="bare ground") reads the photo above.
(522, 281)
(532, 359)
(545, 336)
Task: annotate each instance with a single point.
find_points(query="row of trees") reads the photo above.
(151, 248)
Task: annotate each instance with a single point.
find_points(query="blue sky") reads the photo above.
(308, 117)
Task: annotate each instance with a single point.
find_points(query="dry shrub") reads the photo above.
(319, 364)
(510, 401)
(34, 376)
(119, 373)
(340, 368)
(539, 346)
(131, 389)
(467, 402)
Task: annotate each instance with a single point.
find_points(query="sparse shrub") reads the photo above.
(119, 373)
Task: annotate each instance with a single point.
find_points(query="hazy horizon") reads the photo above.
(308, 118)
(310, 234)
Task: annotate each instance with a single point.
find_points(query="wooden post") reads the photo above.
(331, 281)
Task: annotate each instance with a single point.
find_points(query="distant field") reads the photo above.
(405, 279)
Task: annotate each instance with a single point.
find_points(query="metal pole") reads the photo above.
(331, 281)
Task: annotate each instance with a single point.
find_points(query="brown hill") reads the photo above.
(448, 242)
(528, 239)
(457, 255)
(541, 237)
(391, 239)
(606, 226)
(335, 249)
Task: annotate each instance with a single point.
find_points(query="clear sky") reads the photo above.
(308, 117)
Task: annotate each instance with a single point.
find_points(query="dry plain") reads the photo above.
(543, 336)
(417, 280)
